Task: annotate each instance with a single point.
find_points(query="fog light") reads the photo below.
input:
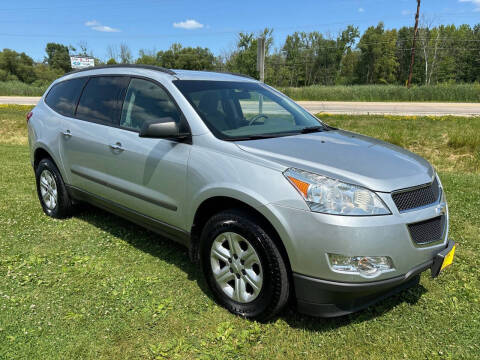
(368, 266)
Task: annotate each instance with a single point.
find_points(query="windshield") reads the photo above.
(245, 110)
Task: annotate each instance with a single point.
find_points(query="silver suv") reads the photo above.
(273, 203)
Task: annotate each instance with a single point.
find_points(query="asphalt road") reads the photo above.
(19, 100)
(340, 107)
(392, 108)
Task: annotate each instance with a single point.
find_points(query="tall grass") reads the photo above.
(441, 93)
(18, 88)
(466, 136)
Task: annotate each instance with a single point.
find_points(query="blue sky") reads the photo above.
(27, 25)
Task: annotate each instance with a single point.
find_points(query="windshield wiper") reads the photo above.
(252, 137)
(261, 136)
(312, 129)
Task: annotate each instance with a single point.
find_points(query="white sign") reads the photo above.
(81, 62)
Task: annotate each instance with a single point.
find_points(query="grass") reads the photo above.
(450, 143)
(18, 88)
(440, 93)
(95, 286)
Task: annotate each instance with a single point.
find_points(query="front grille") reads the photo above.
(417, 197)
(428, 231)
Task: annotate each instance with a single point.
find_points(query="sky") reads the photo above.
(27, 25)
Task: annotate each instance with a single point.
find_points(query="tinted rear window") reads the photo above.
(63, 97)
(102, 99)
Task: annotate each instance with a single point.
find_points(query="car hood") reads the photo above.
(347, 156)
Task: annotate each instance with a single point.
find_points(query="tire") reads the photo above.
(261, 279)
(56, 204)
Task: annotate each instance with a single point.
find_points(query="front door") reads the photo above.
(148, 175)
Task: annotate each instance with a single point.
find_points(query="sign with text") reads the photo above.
(81, 62)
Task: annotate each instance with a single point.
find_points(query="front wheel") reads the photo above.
(243, 267)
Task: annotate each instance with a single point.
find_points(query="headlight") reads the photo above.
(330, 196)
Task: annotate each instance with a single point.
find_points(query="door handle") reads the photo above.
(117, 146)
(67, 133)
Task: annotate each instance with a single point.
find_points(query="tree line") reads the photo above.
(445, 54)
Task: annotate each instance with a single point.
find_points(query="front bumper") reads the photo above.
(326, 298)
(309, 237)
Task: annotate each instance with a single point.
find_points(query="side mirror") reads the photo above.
(163, 130)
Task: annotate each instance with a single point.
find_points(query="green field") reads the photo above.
(95, 286)
(18, 88)
(438, 93)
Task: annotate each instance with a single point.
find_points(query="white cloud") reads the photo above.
(188, 24)
(475, 2)
(92, 23)
(105, 28)
(361, 10)
(97, 26)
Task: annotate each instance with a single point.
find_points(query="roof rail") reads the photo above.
(231, 73)
(138, 66)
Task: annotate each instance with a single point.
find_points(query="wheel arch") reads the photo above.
(215, 204)
(41, 153)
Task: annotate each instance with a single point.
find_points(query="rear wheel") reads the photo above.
(243, 266)
(51, 190)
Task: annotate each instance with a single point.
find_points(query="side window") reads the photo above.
(63, 97)
(102, 98)
(147, 102)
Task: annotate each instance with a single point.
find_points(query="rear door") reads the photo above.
(149, 175)
(86, 145)
(62, 99)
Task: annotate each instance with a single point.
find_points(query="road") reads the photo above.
(19, 100)
(340, 107)
(392, 108)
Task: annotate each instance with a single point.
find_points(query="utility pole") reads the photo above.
(261, 57)
(261, 67)
(415, 30)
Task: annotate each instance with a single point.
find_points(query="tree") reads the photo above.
(403, 55)
(112, 54)
(125, 54)
(467, 51)
(45, 74)
(83, 49)
(147, 58)
(313, 58)
(378, 62)
(244, 59)
(476, 58)
(188, 58)
(58, 56)
(17, 66)
(346, 74)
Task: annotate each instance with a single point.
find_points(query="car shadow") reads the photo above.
(145, 240)
(177, 255)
